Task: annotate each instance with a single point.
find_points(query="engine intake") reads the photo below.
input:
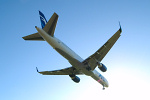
(75, 78)
(102, 67)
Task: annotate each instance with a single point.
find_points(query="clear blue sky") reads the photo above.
(84, 25)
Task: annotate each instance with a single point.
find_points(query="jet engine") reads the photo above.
(75, 78)
(102, 67)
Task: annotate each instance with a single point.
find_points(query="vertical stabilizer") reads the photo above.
(48, 27)
(42, 19)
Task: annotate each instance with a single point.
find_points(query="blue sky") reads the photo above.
(83, 25)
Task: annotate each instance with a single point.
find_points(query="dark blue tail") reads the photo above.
(42, 19)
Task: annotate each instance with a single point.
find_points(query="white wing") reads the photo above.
(66, 71)
(100, 53)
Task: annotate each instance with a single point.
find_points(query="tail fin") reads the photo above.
(48, 27)
(42, 19)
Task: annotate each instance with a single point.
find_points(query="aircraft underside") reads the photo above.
(79, 66)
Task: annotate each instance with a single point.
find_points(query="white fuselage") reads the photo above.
(74, 59)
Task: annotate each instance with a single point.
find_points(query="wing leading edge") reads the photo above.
(100, 53)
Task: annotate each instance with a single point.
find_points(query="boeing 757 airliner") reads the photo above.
(79, 66)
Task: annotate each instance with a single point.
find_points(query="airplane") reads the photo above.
(79, 66)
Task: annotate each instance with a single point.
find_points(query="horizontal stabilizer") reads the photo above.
(51, 24)
(35, 36)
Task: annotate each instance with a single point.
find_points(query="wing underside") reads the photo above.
(66, 71)
(100, 53)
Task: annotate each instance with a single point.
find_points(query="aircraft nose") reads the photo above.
(107, 85)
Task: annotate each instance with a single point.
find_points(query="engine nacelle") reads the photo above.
(102, 67)
(75, 78)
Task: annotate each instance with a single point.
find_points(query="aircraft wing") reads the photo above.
(66, 71)
(100, 53)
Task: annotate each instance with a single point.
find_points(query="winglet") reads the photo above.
(120, 27)
(37, 70)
